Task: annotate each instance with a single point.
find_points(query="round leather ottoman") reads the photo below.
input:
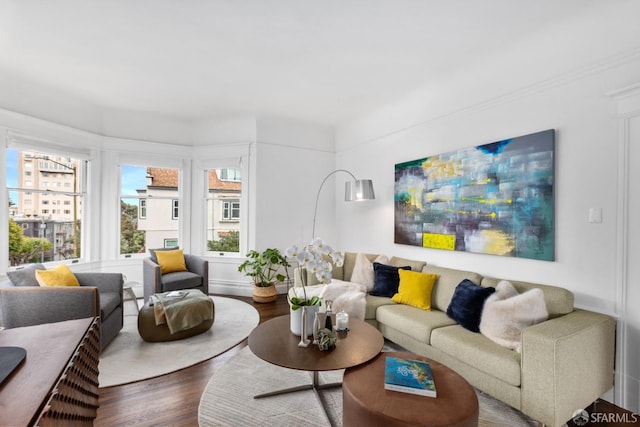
(367, 403)
(151, 332)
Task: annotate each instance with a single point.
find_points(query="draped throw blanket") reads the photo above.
(346, 296)
(182, 310)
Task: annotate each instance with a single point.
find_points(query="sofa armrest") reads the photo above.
(567, 363)
(30, 305)
(150, 278)
(300, 273)
(199, 266)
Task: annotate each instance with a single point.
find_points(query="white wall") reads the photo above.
(587, 163)
(288, 175)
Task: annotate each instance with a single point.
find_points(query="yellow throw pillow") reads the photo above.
(59, 276)
(171, 261)
(415, 289)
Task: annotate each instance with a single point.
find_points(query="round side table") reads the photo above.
(367, 403)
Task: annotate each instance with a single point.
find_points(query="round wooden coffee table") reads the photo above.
(273, 342)
(367, 403)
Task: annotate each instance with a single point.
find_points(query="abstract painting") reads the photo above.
(494, 199)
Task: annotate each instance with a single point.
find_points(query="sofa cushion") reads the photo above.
(386, 279)
(478, 351)
(109, 301)
(466, 304)
(373, 302)
(363, 270)
(506, 313)
(25, 276)
(59, 276)
(415, 289)
(412, 321)
(559, 301)
(401, 262)
(446, 284)
(180, 280)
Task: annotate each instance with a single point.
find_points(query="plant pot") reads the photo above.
(263, 294)
(296, 319)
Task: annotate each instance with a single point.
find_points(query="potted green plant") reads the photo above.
(264, 268)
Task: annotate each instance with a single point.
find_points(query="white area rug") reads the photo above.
(228, 398)
(129, 358)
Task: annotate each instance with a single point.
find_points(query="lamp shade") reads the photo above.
(359, 189)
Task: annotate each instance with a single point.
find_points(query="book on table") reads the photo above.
(409, 376)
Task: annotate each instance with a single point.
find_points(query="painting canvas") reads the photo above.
(495, 199)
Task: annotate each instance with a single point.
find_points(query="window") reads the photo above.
(170, 243)
(174, 209)
(223, 195)
(229, 174)
(32, 225)
(148, 208)
(231, 210)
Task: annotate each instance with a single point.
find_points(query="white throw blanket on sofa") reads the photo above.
(346, 296)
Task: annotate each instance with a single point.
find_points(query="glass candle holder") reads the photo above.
(342, 321)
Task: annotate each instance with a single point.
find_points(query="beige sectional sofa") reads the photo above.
(566, 362)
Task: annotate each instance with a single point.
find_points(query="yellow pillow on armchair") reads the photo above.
(171, 261)
(59, 276)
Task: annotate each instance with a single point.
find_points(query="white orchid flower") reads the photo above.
(304, 257)
(292, 251)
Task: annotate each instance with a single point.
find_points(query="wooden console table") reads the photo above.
(58, 381)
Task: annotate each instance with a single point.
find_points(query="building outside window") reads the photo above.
(223, 209)
(39, 234)
(148, 208)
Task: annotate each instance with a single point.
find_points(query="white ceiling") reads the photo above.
(323, 61)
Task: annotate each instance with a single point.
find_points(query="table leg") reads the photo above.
(129, 295)
(315, 386)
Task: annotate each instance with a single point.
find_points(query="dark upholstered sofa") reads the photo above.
(99, 295)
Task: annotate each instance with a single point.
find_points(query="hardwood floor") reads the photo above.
(171, 400)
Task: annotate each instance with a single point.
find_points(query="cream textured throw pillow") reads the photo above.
(363, 269)
(506, 313)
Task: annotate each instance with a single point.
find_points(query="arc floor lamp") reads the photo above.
(354, 190)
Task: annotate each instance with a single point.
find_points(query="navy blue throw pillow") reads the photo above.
(466, 304)
(386, 279)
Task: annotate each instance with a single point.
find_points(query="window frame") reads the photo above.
(209, 198)
(157, 163)
(80, 195)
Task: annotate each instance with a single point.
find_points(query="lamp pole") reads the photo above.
(358, 189)
(75, 200)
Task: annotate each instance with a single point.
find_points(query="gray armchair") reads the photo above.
(196, 276)
(99, 295)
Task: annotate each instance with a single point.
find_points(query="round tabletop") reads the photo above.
(367, 403)
(274, 342)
